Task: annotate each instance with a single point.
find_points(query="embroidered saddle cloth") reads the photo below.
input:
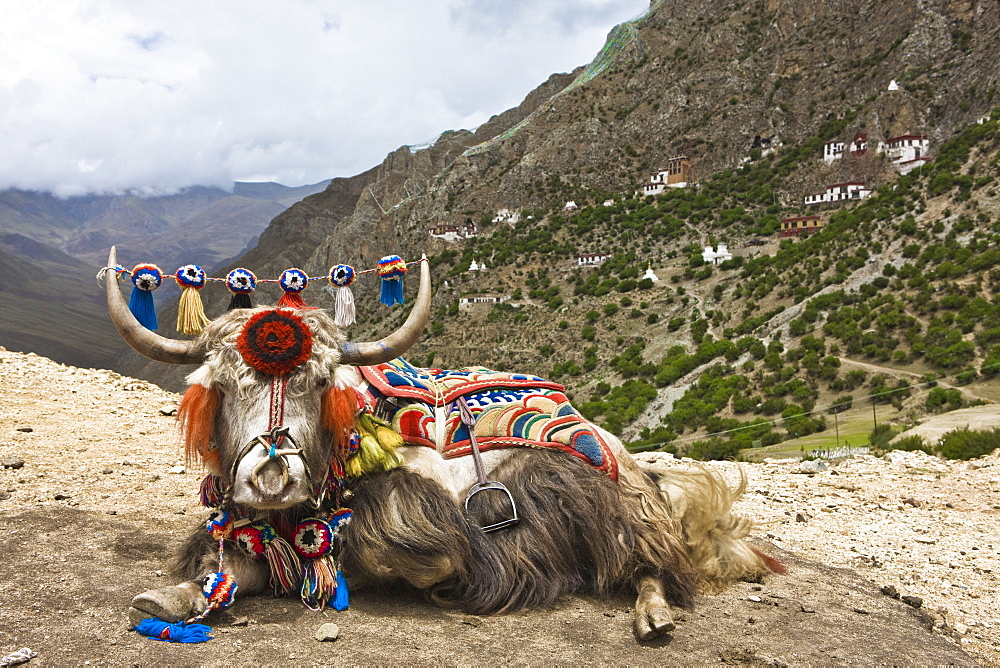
(510, 410)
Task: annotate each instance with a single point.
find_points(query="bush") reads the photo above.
(968, 444)
(880, 436)
(715, 448)
(911, 443)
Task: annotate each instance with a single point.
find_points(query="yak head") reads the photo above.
(271, 405)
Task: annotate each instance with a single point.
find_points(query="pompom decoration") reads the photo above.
(145, 279)
(220, 590)
(275, 342)
(220, 524)
(260, 541)
(292, 281)
(313, 538)
(391, 269)
(191, 317)
(341, 277)
(241, 282)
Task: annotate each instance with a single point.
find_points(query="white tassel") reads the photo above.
(344, 313)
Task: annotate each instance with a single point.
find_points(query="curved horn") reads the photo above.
(143, 341)
(397, 343)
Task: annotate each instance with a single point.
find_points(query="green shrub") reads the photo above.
(880, 436)
(968, 444)
(911, 443)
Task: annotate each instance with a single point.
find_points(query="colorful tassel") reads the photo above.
(260, 541)
(293, 282)
(210, 491)
(191, 317)
(319, 583)
(145, 279)
(241, 282)
(377, 446)
(391, 269)
(341, 277)
(157, 629)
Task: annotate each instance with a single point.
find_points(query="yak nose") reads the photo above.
(271, 479)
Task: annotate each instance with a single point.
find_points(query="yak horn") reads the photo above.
(142, 340)
(369, 353)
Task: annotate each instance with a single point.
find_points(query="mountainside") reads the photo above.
(51, 248)
(892, 302)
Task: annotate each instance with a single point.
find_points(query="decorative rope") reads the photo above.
(122, 271)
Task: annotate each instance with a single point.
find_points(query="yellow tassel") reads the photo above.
(388, 438)
(191, 317)
(353, 467)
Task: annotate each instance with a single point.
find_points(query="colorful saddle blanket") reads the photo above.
(510, 410)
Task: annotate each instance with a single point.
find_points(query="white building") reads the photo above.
(454, 232)
(840, 192)
(716, 256)
(570, 206)
(507, 216)
(674, 176)
(650, 274)
(907, 152)
(477, 266)
(592, 259)
(609, 202)
(467, 303)
(833, 150)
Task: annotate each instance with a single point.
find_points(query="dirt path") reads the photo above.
(90, 516)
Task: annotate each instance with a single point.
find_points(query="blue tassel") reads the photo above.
(141, 305)
(157, 629)
(340, 598)
(392, 291)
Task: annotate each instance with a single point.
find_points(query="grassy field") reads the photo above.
(848, 429)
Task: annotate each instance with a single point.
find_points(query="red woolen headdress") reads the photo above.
(275, 342)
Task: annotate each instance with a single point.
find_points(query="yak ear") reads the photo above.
(196, 417)
(340, 405)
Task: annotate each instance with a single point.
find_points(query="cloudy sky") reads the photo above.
(114, 95)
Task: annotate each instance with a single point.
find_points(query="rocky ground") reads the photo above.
(93, 490)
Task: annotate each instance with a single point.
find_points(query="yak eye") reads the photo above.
(322, 382)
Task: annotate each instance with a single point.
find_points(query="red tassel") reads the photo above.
(292, 300)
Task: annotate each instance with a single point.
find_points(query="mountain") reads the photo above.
(51, 249)
(49, 304)
(893, 301)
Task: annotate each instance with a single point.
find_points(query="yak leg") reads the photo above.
(186, 600)
(652, 614)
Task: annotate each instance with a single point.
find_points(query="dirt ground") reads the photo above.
(89, 518)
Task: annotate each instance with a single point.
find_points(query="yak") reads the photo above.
(283, 414)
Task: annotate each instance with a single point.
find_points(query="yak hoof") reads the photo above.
(653, 622)
(170, 604)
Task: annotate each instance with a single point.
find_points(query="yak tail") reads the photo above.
(701, 504)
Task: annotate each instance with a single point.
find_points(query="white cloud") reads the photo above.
(110, 95)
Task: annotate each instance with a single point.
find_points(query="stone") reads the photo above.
(168, 410)
(176, 470)
(913, 601)
(26, 430)
(12, 462)
(890, 591)
(802, 517)
(4, 496)
(327, 632)
(912, 502)
(243, 621)
(107, 471)
(61, 496)
(813, 466)
(755, 599)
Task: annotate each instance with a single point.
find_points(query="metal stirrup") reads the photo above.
(483, 485)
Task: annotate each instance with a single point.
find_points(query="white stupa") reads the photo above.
(474, 266)
(893, 85)
(650, 274)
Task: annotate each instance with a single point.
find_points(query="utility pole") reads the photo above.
(874, 417)
(836, 426)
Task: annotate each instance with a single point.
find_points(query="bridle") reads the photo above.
(276, 441)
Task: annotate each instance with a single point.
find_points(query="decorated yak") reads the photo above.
(331, 462)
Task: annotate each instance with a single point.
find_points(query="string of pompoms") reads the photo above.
(242, 282)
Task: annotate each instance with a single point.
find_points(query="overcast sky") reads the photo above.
(150, 95)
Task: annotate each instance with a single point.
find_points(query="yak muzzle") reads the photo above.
(271, 473)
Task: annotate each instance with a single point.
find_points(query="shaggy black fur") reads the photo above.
(577, 532)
